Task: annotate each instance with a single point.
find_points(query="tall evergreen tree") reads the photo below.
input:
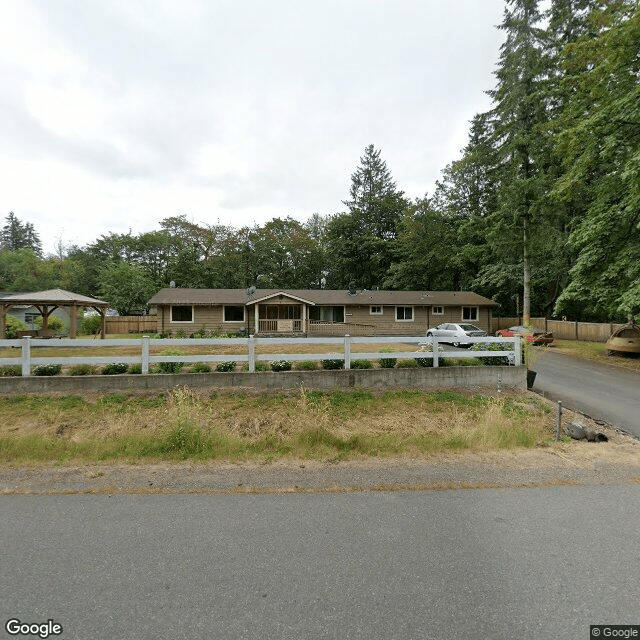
(18, 235)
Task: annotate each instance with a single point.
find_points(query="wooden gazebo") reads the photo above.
(48, 301)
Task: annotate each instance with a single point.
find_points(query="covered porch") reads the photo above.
(279, 314)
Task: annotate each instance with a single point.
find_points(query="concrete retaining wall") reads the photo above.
(454, 378)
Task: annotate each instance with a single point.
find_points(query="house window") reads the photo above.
(181, 313)
(375, 310)
(438, 311)
(404, 314)
(31, 317)
(326, 314)
(233, 314)
(470, 313)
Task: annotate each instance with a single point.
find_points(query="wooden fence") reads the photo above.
(563, 329)
(131, 324)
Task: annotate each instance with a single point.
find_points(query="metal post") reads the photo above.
(347, 352)
(559, 422)
(434, 350)
(145, 355)
(26, 356)
(251, 345)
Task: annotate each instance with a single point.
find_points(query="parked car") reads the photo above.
(456, 334)
(534, 336)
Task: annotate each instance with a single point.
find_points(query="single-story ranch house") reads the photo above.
(308, 312)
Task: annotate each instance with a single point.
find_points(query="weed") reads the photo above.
(387, 363)
(361, 364)
(200, 367)
(10, 370)
(281, 365)
(307, 365)
(333, 364)
(82, 370)
(47, 370)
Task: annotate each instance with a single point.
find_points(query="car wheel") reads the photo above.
(455, 344)
(429, 334)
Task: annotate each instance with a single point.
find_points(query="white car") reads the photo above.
(456, 334)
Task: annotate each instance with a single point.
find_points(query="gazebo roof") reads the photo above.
(54, 296)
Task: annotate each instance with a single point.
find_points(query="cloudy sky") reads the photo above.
(115, 114)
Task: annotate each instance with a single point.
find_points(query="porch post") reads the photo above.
(3, 310)
(73, 321)
(304, 317)
(256, 329)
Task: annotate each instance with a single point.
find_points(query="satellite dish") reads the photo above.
(323, 283)
(172, 284)
(250, 291)
(352, 288)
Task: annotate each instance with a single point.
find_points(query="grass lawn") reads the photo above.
(596, 351)
(183, 424)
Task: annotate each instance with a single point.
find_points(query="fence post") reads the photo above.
(559, 420)
(517, 351)
(434, 350)
(145, 355)
(347, 351)
(251, 347)
(26, 356)
(576, 330)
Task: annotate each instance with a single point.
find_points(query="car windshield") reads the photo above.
(469, 327)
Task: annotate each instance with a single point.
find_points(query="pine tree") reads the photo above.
(17, 235)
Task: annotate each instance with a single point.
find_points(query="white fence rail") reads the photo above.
(425, 348)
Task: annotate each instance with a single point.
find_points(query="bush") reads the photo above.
(361, 364)
(407, 364)
(200, 367)
(260, 366)
(90, 325)
(171, 367)
(54, 323)
(491, 346)
(13, 325)
(114, 368)
(387, 363)
(135, 368)
(280, 365)
(226, 367)
(47, 370)
(10, 370)
(333, 364)
(307, 365)
(82, 370)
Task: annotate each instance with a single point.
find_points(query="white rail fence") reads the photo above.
(425, 348)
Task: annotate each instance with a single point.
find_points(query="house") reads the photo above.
(308, 312)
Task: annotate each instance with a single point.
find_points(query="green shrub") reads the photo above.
(181, 333)
(260, 366)
(171, 367)
(307, 365)
(407, 364)
(90, 325)
(280, 365)
(491, 346)
(114, 368)
(54, 323)
(47, 370)
(333, 364)
(200, 367)
(82, 370)
(13, 325)
(226, 367)
(135, 368)
(361, 364)
(10, 370)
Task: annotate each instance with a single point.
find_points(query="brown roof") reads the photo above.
(201, 297)
(53, 296)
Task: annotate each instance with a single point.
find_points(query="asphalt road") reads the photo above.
(498, 564)
(604, 392)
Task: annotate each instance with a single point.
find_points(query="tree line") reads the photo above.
(541, 212)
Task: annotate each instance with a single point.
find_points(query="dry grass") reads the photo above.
(597, 352)
(184, 424)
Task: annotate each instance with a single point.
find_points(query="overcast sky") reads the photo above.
(115, 114)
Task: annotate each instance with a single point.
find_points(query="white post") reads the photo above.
(145, 355)
(26, 356)
(251, 345)
(434, 350)
(517, 351)
(347, 351)
(256, 316)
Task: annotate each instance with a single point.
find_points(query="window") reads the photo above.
(375, 310)
(181, 313)
(438, 311)
(470, 313)
(31, 317)
(404, 314)
(327, 314)
(233, 314)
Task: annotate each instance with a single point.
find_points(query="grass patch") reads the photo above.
(182, 424)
